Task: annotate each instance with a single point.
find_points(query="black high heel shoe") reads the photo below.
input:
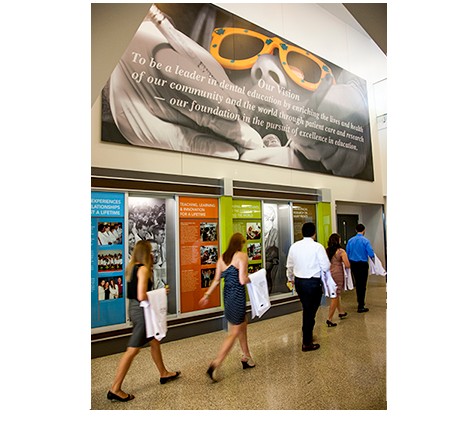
(114, 397)
(248, 363)
(211, 372)
(331, 324)
(341, 316)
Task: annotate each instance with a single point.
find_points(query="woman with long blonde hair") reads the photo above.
(233, 267)
(138, 275)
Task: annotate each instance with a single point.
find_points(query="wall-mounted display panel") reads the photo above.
(107, 259)
(277, 240)
(302, 213)
(185, 236)
(248, 221)
(147, 220)
(199, 250)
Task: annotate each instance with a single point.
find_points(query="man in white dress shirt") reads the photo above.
(306, 260)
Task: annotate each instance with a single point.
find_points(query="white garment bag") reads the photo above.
(258, 293)
(155, 313)
(348, 280)
(376, 267)
(329, 285)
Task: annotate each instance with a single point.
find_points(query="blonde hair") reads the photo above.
(142, 254)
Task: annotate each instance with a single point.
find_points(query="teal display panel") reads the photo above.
(107, 259)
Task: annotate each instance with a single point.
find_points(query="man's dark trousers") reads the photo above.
(360, 271)
(310, 293)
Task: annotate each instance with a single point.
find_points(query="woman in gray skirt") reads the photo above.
(138, 274)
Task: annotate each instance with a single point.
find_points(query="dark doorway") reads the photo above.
(346, 224)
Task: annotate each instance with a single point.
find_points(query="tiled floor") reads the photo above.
(348, 372)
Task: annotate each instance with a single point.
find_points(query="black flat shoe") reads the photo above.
(310, 347)
(363, 310)
(341, 316)
(167, 379)
(114, 397)
(211, 373)
(331, 324)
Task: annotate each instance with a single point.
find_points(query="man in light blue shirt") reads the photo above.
(358, 251)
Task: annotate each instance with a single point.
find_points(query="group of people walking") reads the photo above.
(307, 261)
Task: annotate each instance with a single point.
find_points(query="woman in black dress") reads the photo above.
(233, 267)
(138, 274)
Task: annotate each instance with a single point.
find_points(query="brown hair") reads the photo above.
(237, 241)
(142, 254)
(333, 245)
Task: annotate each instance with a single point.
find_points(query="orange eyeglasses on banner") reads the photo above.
(239, 49)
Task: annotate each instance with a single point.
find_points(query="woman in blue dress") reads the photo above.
(233, 267)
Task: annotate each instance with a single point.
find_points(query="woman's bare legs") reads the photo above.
(235, 332)
(335, 304)
(339, 306)
(243, 342)
(155, 348)
(332, 309)
(227, 345)
(122, 369)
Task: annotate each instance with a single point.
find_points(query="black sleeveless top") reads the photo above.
(132, 286)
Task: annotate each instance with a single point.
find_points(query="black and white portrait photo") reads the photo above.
(147, 221)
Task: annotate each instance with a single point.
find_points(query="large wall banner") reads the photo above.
(199, 250)
(198, 79)
(107, 259)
